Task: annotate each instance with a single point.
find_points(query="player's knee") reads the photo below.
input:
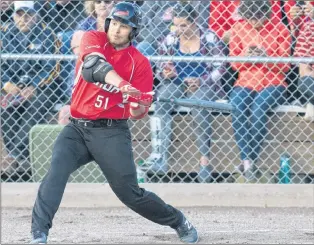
(130, 195)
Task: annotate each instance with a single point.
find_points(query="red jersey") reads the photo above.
(95, 100)
(223, 14)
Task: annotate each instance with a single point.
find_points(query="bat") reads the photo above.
(209, 105)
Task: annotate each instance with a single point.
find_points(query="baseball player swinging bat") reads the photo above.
(209, 105)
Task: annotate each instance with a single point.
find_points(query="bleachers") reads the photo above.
(288, 132)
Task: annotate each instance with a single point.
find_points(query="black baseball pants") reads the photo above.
(110, 147)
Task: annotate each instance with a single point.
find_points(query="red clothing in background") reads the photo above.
(305, 42)
(275, 39)
(223, 14)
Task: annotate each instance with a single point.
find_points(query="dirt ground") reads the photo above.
(121, 225)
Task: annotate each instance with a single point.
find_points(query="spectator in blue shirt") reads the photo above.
(29, 87)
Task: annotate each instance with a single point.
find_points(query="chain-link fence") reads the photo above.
(257, 56)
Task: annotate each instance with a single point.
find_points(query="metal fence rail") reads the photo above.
(160, 58)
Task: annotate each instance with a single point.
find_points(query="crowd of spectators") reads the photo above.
(30, 88)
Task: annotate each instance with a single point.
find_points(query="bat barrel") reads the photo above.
(210, 105)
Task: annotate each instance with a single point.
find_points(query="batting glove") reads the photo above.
(126, 88)
(145, 99)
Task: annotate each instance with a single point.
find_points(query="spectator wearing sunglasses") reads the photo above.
(97, 12)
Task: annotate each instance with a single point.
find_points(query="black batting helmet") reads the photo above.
(127, 13)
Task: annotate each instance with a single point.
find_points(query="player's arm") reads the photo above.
(96, 69)
(139, 109)
(143, 80)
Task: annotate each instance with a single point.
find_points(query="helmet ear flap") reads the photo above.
(107, 24)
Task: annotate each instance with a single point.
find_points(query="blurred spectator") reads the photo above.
(260, 86)
(6, 8)
(61, 16)
(28, 85)
(224, 14)
(305, 48)
(97, 12)
(157, 20)
(194, 80)
(299, 14)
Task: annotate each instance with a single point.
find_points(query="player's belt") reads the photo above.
(96, 123)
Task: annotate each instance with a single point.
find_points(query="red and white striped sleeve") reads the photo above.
(305, 41)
